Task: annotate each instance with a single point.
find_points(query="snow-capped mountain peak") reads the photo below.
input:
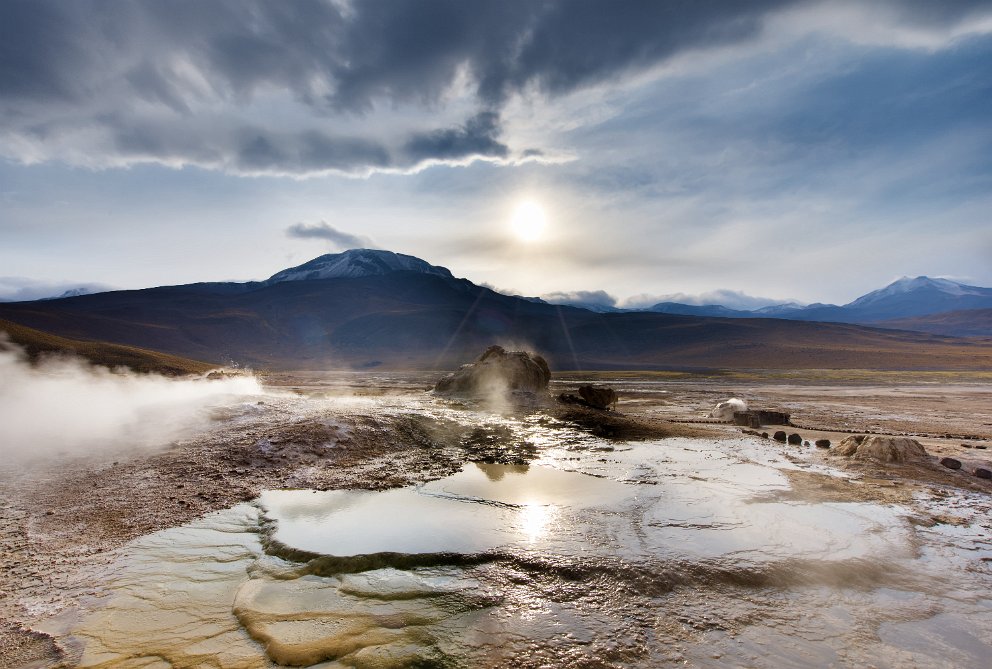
(918, 284)
(356, 263)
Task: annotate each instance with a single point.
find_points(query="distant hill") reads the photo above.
(37, 343)
(904, 299)
(964, 323)
(425, 318)
(714, 310)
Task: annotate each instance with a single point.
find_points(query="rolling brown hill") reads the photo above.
(406, 319)
(960, 323)
(37, 343)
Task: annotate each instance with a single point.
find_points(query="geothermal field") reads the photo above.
(365, 520)
(495, 334)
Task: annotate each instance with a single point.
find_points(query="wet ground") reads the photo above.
(422, 532)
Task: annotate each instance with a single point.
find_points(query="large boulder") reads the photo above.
(598, 397)
(883, 449)
(496, 372)
(725, 410)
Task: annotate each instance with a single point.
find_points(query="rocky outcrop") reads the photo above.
(498, 371)
(598, 397)
(882, 449)
(592, 397)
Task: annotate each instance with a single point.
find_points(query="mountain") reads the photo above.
(74, 292)
(420, 316)
(356, 263)
(17, 289)
(919, 296)
(589, 306)
(900, 301)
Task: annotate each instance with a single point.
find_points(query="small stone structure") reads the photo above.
(760, 417)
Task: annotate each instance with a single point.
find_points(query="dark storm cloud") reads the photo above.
(93, 77)
(476, 138)
(322, 230)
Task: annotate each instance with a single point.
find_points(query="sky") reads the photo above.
(740, 152)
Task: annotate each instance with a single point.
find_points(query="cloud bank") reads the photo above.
(315, 87)
(594, 298)
(18, 288)
(732, 299)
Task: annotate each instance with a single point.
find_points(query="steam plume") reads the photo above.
(65, 406)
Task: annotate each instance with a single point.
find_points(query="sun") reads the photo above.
(529, 221)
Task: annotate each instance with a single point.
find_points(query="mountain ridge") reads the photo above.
(432, 320)
(901, 300)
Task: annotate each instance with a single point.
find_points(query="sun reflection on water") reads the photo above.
(535, 519)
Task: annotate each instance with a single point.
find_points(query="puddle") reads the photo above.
(480, 509)
(674, 551)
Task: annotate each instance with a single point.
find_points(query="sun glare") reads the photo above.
(529, 221)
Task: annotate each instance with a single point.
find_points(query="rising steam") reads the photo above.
(65, 406)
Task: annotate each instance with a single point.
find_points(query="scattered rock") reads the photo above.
(983, 473)
(980, 447)
(805, 443)
(725, 410)
(795, 439)
(498, 371)
(967, 445)
(883, 449)
(764, 435)
(599, 397)
(823, 443)
(951, 463)
(779, 436)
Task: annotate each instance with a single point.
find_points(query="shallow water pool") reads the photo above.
(676, 551)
